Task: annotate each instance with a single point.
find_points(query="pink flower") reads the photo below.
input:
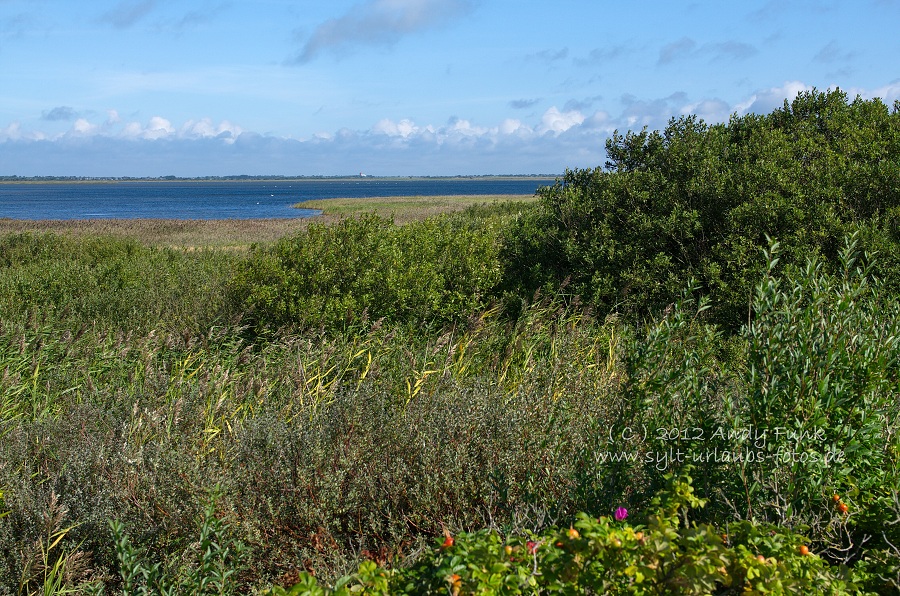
(621, 514)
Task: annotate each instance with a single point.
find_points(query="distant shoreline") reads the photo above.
(241, 178)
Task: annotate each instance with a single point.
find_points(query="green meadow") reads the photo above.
(677, 373)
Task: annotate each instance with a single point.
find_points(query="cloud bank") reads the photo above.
(556, 139)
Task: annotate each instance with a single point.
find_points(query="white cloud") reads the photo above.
(161, 128)
(512, 126)
(12, 132)
(158, 128)
(388, 127)
(710, 110)
(460, 127)
(555, 140)
(766, 100)
(557, 122)
(83, 127)
(205, 128)
(132, 130)
(888, 93)
(599, 121)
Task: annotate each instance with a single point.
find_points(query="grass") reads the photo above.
(239, 234)
(224, 233)
(407, 209)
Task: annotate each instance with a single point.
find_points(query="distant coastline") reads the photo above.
(248, 178)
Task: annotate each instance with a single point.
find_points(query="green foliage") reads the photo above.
(433, 272)
(110, 281)
(697, 201)
(605, 556)
(824, 355)
(388, 433)
(217, 561)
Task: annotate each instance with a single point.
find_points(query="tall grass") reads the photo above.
(112, 282)
(327, 446)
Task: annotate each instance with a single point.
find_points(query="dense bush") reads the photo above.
(804, 432)
(436, 271)
(697, 201)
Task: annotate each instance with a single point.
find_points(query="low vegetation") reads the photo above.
(406, 209)
(234, 234)
(676, 374)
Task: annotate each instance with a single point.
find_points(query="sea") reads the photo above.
(228, 199)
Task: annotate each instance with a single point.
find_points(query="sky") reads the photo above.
(404, 87)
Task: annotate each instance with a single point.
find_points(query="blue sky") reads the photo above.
(404, 87)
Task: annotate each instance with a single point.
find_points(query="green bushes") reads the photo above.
(697, 201)
(823, 369)
(433, 272)
(668, 555)
(216, 562)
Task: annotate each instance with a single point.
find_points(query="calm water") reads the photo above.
(225, 199)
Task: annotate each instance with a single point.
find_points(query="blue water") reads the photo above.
(225, 199)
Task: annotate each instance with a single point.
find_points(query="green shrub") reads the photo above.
(667, 555)
(697, 201)
(823, 379)
(433, 272)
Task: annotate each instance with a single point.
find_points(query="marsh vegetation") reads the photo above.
(503, 377)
